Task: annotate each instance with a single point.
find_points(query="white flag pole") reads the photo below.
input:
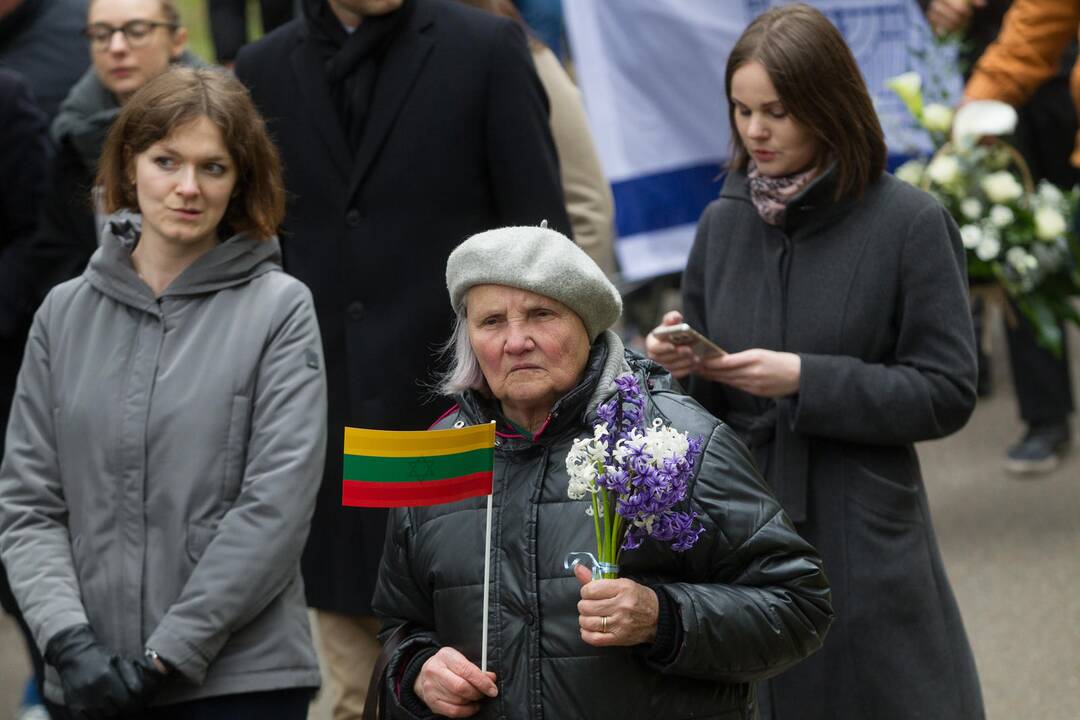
(487, 576)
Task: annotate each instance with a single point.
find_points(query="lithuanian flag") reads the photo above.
(402, 469)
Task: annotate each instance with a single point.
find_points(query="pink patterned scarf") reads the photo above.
(771, 195)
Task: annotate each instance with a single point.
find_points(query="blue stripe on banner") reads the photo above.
(654, 202)
(648, 203)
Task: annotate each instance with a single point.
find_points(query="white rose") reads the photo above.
(1050, 194)
(971, 236)
(1001, 216)
(971, 208)
(1001, 187)
(908, 88)
(1021, 260)
(944, 169)
(911, 172)
(988, 248)
(937, 118)
(1049, 223)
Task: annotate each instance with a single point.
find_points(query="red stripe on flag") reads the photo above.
(357, 493)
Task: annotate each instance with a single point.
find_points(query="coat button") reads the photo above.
(355, 310)
(353, 218)
(529, 619)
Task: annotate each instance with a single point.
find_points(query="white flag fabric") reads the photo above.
(652, 75)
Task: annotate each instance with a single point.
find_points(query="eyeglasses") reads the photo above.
(136, 32)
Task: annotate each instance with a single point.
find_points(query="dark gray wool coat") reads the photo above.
(871, 293)
(750, 595)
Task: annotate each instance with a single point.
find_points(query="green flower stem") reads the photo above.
(616, 544)
(596, 523)
(605, 551)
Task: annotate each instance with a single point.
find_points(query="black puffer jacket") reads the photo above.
(751, 596)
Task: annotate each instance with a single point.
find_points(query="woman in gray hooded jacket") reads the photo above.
(168, 430)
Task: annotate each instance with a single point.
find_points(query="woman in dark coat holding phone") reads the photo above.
(839, 294)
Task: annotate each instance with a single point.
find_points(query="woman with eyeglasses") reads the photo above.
(131, 42)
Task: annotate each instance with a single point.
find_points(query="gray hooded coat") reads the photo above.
(163, 456)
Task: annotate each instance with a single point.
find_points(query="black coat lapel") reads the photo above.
(311, 77)
(404, 60)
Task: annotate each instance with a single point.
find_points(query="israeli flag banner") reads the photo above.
(652, 75)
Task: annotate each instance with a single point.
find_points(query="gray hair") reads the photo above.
(463, 372)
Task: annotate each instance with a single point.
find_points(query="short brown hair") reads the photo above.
(819, 84)
(175, 98)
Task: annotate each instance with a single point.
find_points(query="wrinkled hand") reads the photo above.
(949, 16)
(631, 609)
(93, 685)
(680, 361)
(764, 373)
(450, 685)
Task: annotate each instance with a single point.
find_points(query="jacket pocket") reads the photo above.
(236, 448)
(199, 536)
(880, 495)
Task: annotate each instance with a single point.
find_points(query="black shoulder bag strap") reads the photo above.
(376, 695)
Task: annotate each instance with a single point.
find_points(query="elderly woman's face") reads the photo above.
(531, 349)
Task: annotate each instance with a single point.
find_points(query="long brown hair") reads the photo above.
(175, 98)
(820, 85)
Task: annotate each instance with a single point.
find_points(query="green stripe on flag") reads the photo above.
(416, 469)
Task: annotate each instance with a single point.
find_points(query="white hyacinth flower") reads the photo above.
(1049, 223)
(971, 235)
(1001, 216)
(664, 442)
(911, 172)
(988, 248)
(944, 169)
(584, 462)
(1001, 186)
(937, 118)
(971, 208)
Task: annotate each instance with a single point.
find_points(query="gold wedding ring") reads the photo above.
(603, 624)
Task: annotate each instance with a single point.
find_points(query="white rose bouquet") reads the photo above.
(1018, 236)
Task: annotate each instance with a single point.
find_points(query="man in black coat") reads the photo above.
(43, 40)
(405, 126)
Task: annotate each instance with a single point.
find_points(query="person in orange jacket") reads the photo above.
(1027, 53)
(1025, 67)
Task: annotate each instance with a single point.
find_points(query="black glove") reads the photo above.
(93, 685)
(142, 679)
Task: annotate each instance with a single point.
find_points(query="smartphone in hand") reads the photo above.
(683, 334)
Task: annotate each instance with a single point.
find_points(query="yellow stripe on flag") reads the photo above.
(419, 443)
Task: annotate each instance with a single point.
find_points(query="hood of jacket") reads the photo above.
(88, 112)
(233, 262)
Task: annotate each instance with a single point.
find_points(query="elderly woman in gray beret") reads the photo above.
(681, 632)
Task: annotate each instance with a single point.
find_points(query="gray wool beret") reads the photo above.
(540, 260)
